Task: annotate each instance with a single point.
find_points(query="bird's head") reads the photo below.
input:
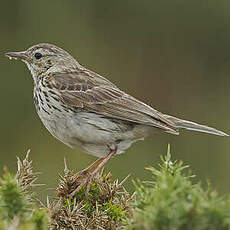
(45, 57)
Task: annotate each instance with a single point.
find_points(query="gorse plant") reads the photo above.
(18, 211)
(171, 201)
(12, 200)
(106, 205)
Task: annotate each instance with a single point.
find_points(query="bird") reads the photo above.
(86, 111)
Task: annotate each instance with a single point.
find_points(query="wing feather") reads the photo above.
(96, 94)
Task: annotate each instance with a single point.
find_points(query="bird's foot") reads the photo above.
(86, 182)
(82, 173)
(92, 176)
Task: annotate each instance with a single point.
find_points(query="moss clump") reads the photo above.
(172, 201)
(114, 211)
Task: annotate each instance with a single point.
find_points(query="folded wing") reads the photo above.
(96, 94)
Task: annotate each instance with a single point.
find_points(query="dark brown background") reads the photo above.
(174, 55)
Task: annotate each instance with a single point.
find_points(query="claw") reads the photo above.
(83, 173)
(86, 182)
(89, 181)
(79, 187)
(100, 162)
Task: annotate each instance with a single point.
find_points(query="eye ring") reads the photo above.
(38, 55)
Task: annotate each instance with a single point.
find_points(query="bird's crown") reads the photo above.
(45, 57)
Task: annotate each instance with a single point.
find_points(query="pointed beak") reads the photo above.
(17, 55)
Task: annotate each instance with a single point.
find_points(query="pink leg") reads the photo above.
(89, 179)
(93, 165)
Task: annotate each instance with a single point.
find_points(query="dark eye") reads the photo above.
(37, 55)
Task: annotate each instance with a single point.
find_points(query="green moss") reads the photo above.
(114, 211)
(93, 192)
(88, 207)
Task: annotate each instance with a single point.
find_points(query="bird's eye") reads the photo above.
(37, 55)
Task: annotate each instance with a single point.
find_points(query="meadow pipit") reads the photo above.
(84, 110)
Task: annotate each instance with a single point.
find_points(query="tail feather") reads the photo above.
(189, 125)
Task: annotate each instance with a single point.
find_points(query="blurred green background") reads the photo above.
(174, 55)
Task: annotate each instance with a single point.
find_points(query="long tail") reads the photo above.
(189, 125)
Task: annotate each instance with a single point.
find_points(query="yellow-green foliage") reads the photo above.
(171, 201)
(12, 200)
(106, 205)
(17, 209)
(40, 219)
